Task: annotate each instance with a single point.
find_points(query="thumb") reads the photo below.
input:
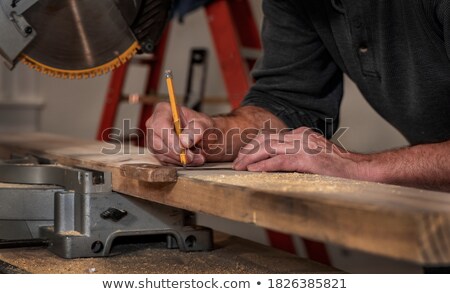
(192, 134)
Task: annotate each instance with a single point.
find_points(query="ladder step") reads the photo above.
(251, 53)
(142, 99)
(154, 99)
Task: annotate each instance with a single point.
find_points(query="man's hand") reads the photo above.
(163, 141)
(207, 138)
(301, 150)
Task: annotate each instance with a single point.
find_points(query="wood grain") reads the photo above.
(397, 222)
(149, 172)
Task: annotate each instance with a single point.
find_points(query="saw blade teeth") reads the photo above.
(82, 74)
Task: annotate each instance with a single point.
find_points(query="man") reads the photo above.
(397, 52)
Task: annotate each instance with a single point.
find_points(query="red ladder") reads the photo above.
(236, 39)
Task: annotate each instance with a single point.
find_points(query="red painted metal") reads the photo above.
(317, 251)
(281, 241)
(228, 46)
(112, 102)
(248, 31)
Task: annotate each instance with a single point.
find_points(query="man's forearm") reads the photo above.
(423, 166)
(239, 127)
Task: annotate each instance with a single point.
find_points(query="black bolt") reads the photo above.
(190, 241)
(97, 247)
(28, 30)
(113, 214)
(149, 47)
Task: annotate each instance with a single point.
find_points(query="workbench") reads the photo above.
(231, 255)
(396, 222)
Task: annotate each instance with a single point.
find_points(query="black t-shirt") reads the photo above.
(396, 51)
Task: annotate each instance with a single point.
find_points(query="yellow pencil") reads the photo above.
(176, 117)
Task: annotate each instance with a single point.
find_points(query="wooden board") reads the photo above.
(127, 160)
(397, 222)
(231, 256)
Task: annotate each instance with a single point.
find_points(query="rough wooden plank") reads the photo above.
(231, 256)
(132, 161)
(352, 219)
(402, 223)
(149, 172)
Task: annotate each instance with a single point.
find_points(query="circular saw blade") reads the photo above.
(79, 38)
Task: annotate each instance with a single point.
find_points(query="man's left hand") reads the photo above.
(301, 150)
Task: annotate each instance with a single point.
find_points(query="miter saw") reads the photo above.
(79, 38)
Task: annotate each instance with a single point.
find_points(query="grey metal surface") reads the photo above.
(79, 34)
(27, 204)
(81, 181)
(16, 7)
(14, 33)
(24, 209)
(80, 231)
(129, 9)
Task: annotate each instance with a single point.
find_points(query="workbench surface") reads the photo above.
(231, 255)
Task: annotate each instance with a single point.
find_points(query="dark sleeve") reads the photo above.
(296, 79)
(443, 16)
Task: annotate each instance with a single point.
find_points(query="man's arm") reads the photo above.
(235, 130)
(423, 166)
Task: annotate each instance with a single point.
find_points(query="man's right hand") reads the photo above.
(164, 143)
(212, 139)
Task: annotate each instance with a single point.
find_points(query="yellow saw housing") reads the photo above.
(83, 73)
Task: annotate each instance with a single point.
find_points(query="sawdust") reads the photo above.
(24, 186)
(71, 233)
(287, 182)
(330, 189)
